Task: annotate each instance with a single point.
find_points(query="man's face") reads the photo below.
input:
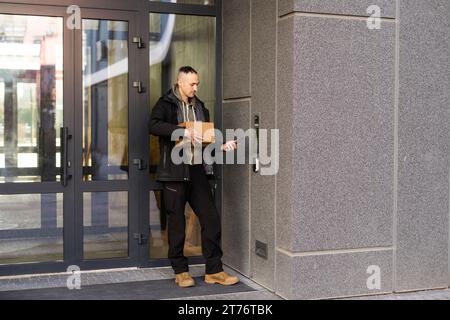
(188, 84)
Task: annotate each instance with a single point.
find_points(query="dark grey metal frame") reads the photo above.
(129, 185)
(138, 185)
(48, 187)
(73, 192)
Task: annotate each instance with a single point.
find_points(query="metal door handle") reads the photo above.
(256, 166)
(65, 137)
(256, 123)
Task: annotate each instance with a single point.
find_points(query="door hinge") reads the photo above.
(139, 42)
(138, 85)
(140, 164)
(141, 238)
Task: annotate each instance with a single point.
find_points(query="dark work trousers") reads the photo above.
(199, 195)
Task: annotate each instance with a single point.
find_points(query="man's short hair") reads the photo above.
(187, 70)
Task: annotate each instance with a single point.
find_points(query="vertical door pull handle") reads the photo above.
(65, 164)
(256, 125)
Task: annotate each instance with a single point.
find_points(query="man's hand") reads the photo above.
(229, 146)
(193, 135)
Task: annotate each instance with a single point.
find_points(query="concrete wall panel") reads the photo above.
(423, 180)
(343, 134)
(341, 7)
(333, 275)
(236, 49)
(264, 28)
(236, 195)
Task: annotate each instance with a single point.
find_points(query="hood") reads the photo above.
(173, 96)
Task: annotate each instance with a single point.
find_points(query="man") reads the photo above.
(187, 182)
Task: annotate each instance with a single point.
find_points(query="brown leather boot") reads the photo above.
(221, 278)
(184, 280)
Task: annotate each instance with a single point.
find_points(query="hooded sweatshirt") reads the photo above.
(186, 112)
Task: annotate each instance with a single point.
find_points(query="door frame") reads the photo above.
(130, 185)
(48, 187)
(73, 192)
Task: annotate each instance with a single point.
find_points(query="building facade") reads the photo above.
(359, 91)
(363, 113)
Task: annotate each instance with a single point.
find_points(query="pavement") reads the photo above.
(116, 276)
(254, 291)
(438, 294)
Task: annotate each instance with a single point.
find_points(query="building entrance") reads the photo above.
(77, 184)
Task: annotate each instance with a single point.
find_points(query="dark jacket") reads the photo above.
(163, 122)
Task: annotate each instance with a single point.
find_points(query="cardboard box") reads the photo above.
(206, 129)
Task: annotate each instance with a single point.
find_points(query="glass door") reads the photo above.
(35, 103)
(77, 183)
(106, 195)
(69, 176)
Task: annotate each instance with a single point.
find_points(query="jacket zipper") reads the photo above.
(165, 148)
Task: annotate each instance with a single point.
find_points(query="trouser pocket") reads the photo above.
(173, 197)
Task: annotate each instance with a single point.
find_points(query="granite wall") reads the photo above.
(363, 183)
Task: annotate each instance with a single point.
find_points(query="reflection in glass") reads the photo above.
(2, 123)
(179, 40)
(195, 45)
(31, 228)
(105, 100)
(31, 97)
(105, 220)
(175, 41)
(158, 243)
